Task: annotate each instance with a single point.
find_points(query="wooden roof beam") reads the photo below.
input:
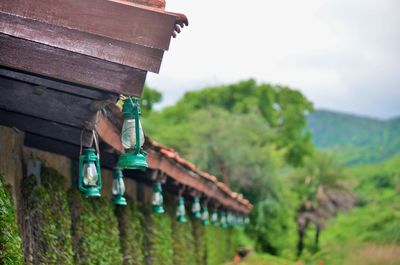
(118, 20)
(70, 66)
(108, 49)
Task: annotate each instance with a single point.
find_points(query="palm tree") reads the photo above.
(324, 193)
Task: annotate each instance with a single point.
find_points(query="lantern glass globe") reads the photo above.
(91, 175)
(204, 214)
(128, 136)
(181, 210)
(214, 217)
(157, 198)
(196, 206)
(118, 186)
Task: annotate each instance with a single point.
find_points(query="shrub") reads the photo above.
(10, 241)
(95, 231)
(47, 223)
(159, 238)
(130, 221)
(183, 243)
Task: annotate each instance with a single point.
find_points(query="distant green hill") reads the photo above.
(355, 139)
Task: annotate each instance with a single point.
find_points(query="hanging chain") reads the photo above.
(96, 143)
(81, 143)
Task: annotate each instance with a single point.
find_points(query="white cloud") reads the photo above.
(341, 54)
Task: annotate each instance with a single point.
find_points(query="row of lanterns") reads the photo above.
(132, 139)
(199, 213)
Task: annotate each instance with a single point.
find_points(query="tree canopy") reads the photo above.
(248, 135)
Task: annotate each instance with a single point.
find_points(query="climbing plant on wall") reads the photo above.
(130, 221)
(95, 231)
(10, 241)
(215, 245)
(183, 243)
(47, 222)
(199, 237)
(102, 234)
(159, 238)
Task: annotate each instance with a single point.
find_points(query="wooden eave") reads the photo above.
(58, 117)
(63, 65)
(104, 44)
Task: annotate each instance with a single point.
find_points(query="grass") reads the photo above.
(374, 255)
(370, 233)
(263, 259)
(366, 254)
(367, 235)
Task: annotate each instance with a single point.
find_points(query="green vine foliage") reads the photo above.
(218, 250)
(131, 233)
(95, 231)
(66, 228)
(10, 241)
(159, 238)
(183, 243)
(47, 222)
(200, 244)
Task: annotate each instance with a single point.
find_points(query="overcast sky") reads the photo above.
(342, 54)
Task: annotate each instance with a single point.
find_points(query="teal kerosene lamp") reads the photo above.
(204, 216)
(157, 200)
(132, 137)
(223, 220)
(89, 181)
(180, 211)
(118, 188)
(196, 208)
(214, 218)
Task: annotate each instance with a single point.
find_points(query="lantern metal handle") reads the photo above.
(137, 129)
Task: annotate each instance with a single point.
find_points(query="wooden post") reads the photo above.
(11, 157)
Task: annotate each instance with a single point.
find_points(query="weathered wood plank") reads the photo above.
(11, 164)
(46, 128)
(109, 134)
(124, 53)
(45, 103)
(107, 160)
(69, 66)
(57, 84)
(118, 20)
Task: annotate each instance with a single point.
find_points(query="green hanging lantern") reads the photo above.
(157, 199)
(118, 188)
(214, 218)
(223, 220)
(196, 208)
(246, 220)
(132, 137)
(180, 211)
(229, 219)
(236, 219)
(204, 216)
(241, 221)
(89, 181)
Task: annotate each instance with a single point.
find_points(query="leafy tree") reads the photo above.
(320, 170)
(149, 98)
(245, 134)
(283, 109)
(235, 147)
